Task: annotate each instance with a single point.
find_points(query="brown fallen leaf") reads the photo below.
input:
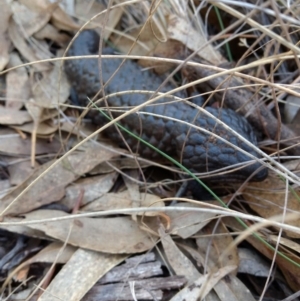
(94, 188)
(5, 14)
(268, 198)
(13, 144)
(178, 261)
(42, 130)
(31, 19)
(51, 187)
(52, 90)
(19, 40)
(186, 224)
(123, 200)
(17, 84)
(9, 116)
(116, 235)
(290, 270)
(181, 29)
(65, 285)
(19, 171)
(212, 241)
(53, 34)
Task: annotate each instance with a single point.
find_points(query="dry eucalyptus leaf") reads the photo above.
(182, 30)
(92, 187)
(203, 285)
(21, 229)
(51, 187)
(269, 197)
(13, 144)
(9, 116)
(117, 235)
(43, 130)
(69, 283)
(186, 224)
(30, 19)
(212, 241)
(4, 48)
(146, 42)
(177, 260)
(53, 34)
(123, 200)
(27, 51)
(169, 49)
(19, 171)
(119, 164)
(233, 289)
(5, 13)
(50, 253)
(17, 84)
(52, 90)
(86, 10)
(290, 270)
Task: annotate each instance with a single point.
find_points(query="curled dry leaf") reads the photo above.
(268, 198)
(17, 84)
(117, 235)
(182, 30)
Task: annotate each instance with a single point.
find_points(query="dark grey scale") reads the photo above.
(200, 151)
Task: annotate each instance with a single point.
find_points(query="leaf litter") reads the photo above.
(38, 128)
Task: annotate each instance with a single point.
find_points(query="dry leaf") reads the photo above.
(214, 241)
(69, 283)
(93, 188)
(27, 51)
(177, 260)
(51, 187)
(10, 116)
(290, 270)
(185, 224)
(268, 199)
(5, 13)
(43, 130)
(116, 235)
(53, 34)
(30, 19)
(123, 200)
(17, 84)
(182, 30)
(13, 144)
(86, 10)
(203, 285)
(52, 90)
(19, 171)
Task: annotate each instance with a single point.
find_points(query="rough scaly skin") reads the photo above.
(200, 152)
